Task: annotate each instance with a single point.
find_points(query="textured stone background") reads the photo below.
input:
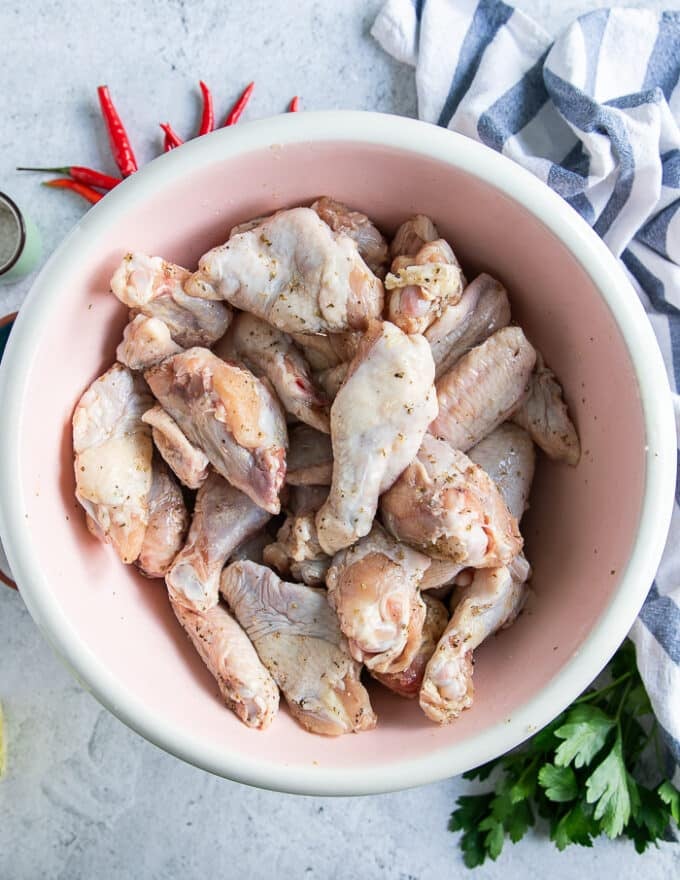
(84, 796)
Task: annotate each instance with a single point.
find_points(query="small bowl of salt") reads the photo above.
(19, 242)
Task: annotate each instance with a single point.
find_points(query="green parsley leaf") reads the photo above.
(495, 837)
(584, 733)
(472, 845)
(607, 788)
(471, 810)
(670, 796)
(574, 827)
(559, 783)
(519, 821)
(578, 773)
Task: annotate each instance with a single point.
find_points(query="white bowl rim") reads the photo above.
(604, 270)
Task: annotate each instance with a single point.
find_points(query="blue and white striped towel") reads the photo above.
(596, 115)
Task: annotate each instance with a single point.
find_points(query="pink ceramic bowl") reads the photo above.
(594, 534)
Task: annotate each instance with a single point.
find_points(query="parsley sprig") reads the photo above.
(580, 774)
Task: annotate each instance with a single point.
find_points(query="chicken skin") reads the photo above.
(155, 288)
(294, 272)
(373, 587)
(310, 458)
(223, 519)
(377, 423)
(545, 416)
(483, 308)
(441, 573)
(269, 352)
(446, 506)
(423, 286)
(188, 462)
(168, 523)
(407, 682)
(493, 599)
(296, 634)
(297, 551)
(231, 415)
(369, 240)
(113, 451)
(508, 457)
(332, 380)
(318, 348)
(146, 341)
(483, 388)
(246, 686)
(412, 235)
(495, 596)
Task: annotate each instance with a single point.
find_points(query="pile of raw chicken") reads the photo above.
(352, 424)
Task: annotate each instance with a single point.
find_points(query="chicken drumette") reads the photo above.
(373, 587)
(377, 423)
(246, 686)
(223, 519)
(448, 507)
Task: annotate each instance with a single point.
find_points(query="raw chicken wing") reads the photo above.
(483, 308)
(229, 414)
(155, 288)
(112, 463)
(294, 272)
(423, 286)
(441, 573)
(407, 683)
(297, 637)
(270, 352)
(545, 416)
(168, 523)
(508, 457)
(223, 519)
(448, 507)
(331, 380)
(246, 686)
(373, 587)
(369, 240)
(377, 423)
(412, 235)
(483, 388)
(493, 599)
(318, 349)
(297, 551)
(146, 341)
(188, 462)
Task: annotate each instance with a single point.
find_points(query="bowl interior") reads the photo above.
(580, 527)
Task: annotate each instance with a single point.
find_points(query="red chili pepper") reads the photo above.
(235, 113)
(171, 136)
(208, 115)
(168, 144)
(294, 105)
(118, 138)
(86, 192)
(83, 175)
